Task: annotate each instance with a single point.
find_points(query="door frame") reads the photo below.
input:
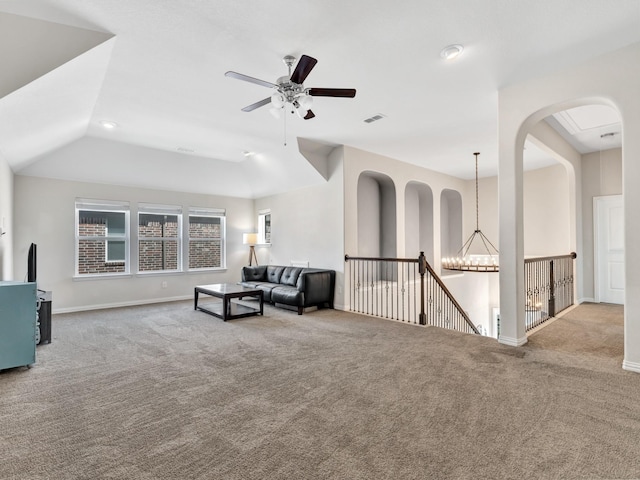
(596, 246)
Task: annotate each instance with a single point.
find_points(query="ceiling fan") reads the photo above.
(289, 89)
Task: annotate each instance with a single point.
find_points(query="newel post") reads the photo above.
(552, 291)
(422, 268)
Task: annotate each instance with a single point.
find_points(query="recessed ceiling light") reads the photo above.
(109, 125)
(451, 51)
(247, 153)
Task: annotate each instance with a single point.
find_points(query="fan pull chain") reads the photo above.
(285, 124)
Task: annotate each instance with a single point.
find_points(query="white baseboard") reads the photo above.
(84, 308)
(513, 342)
(631, 366)
(586, 299)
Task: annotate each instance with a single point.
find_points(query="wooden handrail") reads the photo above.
(448, 293)
(555, 257)
(382, 259)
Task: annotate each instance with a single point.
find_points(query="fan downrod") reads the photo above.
(289, 60)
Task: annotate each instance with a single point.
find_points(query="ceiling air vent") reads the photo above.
(374, 118)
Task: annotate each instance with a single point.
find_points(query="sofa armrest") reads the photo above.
(318, 286)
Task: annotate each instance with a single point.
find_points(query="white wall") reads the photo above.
(451, 227)
(307, 225)
(601, 175)
(419, 219)
(6, 220)
(358, 161)
(45, 214)
(369, 218)
(547, 219)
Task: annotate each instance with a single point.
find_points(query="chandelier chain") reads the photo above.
(477, 208)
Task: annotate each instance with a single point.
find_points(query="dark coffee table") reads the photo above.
(227, 310)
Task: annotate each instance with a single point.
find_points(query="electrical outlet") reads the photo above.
(164, 284)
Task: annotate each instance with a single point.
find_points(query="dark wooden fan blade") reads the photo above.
(309, 115)
(303, 68)
(259, 104)
(249, 79)
(332, 92)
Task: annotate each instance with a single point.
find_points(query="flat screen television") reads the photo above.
(32, 263)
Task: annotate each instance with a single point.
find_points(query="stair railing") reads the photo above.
(549, 283)
(406, 290)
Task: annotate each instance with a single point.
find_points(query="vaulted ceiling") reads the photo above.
(156, 69)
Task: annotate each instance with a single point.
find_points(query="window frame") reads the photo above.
(160, 210)
(264, 234)
(211, 213)
(106, 248)
(103, 206)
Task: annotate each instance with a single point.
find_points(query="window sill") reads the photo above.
(100, 276)
(207, 270)
(158, 273)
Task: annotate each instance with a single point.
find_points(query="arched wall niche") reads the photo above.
(376, 215)
(450, 222)
(418, 202)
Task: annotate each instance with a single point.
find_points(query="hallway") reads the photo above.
(590, 329)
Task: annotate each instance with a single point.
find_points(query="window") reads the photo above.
(159, 234)
(264, 226)
(206, 238)
(102, 237)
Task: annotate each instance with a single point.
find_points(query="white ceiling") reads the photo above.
(157, 70)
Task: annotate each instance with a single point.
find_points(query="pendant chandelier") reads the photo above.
(465, 262)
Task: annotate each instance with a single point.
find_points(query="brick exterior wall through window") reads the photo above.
(205, 244)
(155, 255)
(92, 254)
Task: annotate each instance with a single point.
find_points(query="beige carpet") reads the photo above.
(164, 392)
(589, 330)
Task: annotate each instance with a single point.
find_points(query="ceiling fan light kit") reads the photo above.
(289, 90)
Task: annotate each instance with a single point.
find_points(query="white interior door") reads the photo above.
(609, 248)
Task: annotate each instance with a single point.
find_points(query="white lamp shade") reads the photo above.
(305, 101)
(277, 100)
(249, 238)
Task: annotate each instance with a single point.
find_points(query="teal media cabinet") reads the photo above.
(17, 324)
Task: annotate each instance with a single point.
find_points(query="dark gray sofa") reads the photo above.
(295, 286)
